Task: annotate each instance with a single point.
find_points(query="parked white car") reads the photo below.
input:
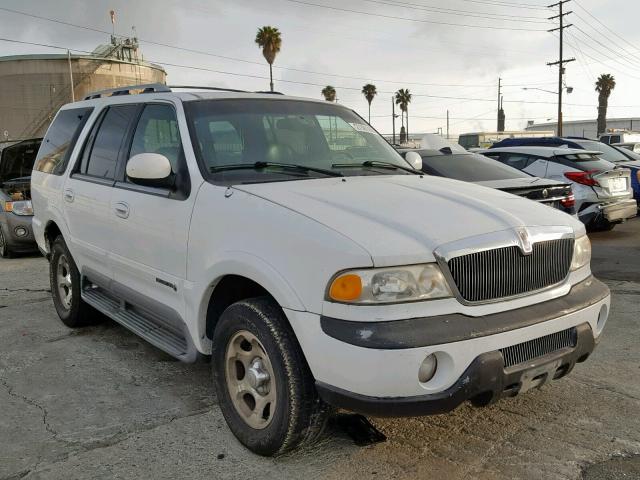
(285, 239)
(603, 192)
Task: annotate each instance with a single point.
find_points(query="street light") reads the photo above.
(568, 89)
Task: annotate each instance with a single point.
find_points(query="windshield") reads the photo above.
(254, 140)
(469, 167)
(608, 153)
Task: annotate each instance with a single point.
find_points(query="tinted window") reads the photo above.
(608, 152)
(157, 132)
(585, 162)
(55, 150)
(517, 160)
(469, 168)
(109, 138)
(469, 141)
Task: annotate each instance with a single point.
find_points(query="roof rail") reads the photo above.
(269, 92)
(112, 92)
(219, 89)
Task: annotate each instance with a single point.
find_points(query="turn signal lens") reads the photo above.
(346, 288)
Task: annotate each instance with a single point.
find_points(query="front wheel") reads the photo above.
(264, 386)
(4, 248)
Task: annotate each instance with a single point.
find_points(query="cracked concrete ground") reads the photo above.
(101, 403)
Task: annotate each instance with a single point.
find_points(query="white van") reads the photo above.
(619, 137)
(286, 241)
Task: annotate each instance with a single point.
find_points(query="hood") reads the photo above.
(401, 219)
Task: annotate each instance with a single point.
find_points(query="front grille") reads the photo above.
(526, 351)
(505, 272)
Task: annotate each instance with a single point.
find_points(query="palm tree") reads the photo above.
(604, 86)
(403, 98)
(369, 91)
(329, 93)
(269, 39)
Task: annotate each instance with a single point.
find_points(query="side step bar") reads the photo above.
(153, 330)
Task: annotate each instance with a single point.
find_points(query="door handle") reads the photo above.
(121, 209)
(68, 195)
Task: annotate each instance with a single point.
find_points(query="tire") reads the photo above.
(64, 279)
(601, 225)
(286, 411)
(5, 252)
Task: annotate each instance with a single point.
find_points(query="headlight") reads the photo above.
(581, 253)
(389, 285)
(22, 207)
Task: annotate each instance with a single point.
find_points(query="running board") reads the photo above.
(151, 329)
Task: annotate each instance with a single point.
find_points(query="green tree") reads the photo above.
(403, 99)
(329, 93)
(269, 39)
(604, 86)
(369, 91)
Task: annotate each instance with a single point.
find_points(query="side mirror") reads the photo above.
(414, 159)
(151, 169)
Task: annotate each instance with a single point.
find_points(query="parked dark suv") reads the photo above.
(16, 163)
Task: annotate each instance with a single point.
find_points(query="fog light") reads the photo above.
(427, 369)
(21, 231)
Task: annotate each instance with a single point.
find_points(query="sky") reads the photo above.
(449, 54)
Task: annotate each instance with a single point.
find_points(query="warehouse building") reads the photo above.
(34, 87)
(587, 128)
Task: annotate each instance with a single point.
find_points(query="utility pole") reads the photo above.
(73, 95)
(499, 96)
(561, 61)
(393, 119)
(447, 124)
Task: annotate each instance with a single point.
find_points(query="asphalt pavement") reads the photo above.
(100, 403)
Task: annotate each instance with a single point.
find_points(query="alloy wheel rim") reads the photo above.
(63, 280)
(250, 379)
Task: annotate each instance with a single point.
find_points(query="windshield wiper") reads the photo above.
(261, 165)
(378, 164)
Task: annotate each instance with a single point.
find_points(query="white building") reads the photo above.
(587, 128)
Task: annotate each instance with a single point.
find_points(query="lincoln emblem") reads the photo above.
(524, 241)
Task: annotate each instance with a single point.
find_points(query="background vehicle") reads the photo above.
(486, 139)
(602, 191)
(633, 146)
(286, 239)
(619, 156)
(619, 137)
(16, 163)
(476, 168)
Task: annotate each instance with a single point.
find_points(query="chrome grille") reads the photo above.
(505, 272)
(523, 352)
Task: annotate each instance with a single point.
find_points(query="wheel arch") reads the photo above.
(239, 279)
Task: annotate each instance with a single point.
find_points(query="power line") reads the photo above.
(500, 3)
(416, 20)
(460, 13)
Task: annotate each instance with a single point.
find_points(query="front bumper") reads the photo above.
(380, 365)
(620, 211)
(10, 223)
(484, 382)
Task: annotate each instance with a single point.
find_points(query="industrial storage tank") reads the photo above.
(34, 87)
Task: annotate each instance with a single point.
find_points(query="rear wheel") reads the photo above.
(64, 279)
(4, 248)
(264, 386)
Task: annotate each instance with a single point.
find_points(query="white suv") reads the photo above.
(285, 240)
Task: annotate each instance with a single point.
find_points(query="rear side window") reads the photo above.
(585, 162)
(157, 132)
(102, 159)
(56, 147)
(517, 160)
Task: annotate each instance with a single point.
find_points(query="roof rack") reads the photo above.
(112, 92)
(269, 92)
(219, 89)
